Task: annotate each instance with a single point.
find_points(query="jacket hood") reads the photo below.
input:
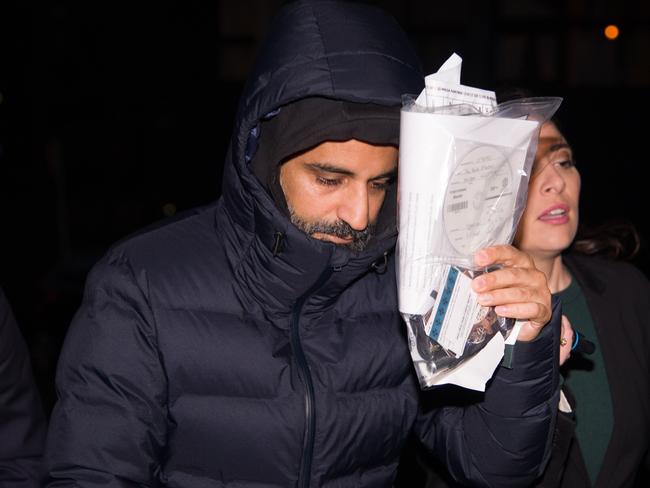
(332, 49)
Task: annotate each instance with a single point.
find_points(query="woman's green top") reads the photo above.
(586, 377)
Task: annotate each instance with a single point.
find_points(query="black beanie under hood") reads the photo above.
(309, 122)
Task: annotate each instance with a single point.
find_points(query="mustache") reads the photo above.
(339, 228)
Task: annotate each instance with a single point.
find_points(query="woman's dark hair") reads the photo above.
(506, 93)
(612, 239)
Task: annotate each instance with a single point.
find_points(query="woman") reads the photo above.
(606, 301)
(602, 435)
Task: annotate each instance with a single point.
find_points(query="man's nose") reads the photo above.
(354, 206)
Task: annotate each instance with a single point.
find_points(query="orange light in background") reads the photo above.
(611, 32)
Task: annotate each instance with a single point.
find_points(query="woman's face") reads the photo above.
(550, 220)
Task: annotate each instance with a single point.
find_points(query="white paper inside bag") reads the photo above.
(459, 178)
(443, 88)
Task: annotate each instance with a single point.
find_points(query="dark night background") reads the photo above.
(116, 115)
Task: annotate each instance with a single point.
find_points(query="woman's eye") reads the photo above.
(566, 164)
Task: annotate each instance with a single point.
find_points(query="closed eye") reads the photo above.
(328, 181)
(383, 184)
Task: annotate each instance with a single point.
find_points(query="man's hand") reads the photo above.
(518, 290)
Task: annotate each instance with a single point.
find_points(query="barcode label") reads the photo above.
(455, 207)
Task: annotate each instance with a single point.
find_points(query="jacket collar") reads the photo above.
(277, 264)
(583, 273)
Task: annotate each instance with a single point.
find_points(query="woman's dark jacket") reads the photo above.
(22, 420)
(229, 349)
(618, 296)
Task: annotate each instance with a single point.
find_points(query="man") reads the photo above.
(258, 341)
(22, 420)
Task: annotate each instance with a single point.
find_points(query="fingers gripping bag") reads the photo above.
(463, 178)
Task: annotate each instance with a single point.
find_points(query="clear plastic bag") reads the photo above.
(463, 180)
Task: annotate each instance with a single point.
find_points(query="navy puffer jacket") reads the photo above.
(229, 349)
(22, 420)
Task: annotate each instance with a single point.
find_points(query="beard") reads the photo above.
(360, 238)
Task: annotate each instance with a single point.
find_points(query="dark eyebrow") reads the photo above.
(555, 148)
(558, 146)
(330, 168)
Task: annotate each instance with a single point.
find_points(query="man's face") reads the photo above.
(335, 191)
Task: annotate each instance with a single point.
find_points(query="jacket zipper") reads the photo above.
(303, 371)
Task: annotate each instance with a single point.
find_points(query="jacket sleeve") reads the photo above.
(504, 437)
(22, 420)
(109, 423)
